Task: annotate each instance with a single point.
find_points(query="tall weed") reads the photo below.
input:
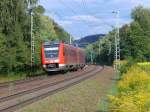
(133, 92)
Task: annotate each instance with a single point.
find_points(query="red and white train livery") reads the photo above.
(62, 57)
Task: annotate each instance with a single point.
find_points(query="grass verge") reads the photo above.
(11, 77)
(103, 104)
(20, 75)
(82, 97)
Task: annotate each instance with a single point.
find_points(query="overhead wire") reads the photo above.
(84, 5)
(73, 11)
(83, 8)
(62, 2)
(60, 15)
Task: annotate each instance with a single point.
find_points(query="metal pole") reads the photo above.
(32, 41)
(99, 47)
(109, 45)
(91, 58)
(117, 44)
(70, 40)
(31, 36)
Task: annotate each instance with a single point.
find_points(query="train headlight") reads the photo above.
(44, 66)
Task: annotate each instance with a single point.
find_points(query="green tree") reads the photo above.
(14, 28)
(15, 25)
(134, 39)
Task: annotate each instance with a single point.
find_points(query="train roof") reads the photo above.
(54, 43)
(50, 42)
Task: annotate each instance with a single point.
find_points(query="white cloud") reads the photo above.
(87, 18)
(133, 3)
(122, 21)
(64, 23)
(74, 22)
(145, 3)
(100, 29)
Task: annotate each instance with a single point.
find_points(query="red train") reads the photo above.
(62, 57)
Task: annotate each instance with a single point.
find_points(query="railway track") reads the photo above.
(34, 85)
(28, 85)
(12, 102)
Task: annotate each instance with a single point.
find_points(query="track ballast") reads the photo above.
(16, 100)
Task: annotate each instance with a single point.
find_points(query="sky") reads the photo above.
(87, 17)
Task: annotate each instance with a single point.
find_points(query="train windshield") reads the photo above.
(51, 51)
(51, 45)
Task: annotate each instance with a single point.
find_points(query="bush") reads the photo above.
(133, 92)
(145, 66)
(134, 80)
(131, 102)
(124, 66)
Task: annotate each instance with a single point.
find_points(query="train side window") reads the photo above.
(64, 52)
(68, 52)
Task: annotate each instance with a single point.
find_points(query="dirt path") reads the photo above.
(82, 97)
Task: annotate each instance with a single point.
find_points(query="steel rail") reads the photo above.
(67, 83)
(21, 93)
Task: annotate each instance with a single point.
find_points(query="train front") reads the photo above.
(50, 56)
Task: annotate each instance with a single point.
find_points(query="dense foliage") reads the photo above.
(145, 66)
(133, 92)
(15, 33)
(134, 40)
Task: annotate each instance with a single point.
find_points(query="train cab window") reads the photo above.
(51, 53)
(51, 50)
